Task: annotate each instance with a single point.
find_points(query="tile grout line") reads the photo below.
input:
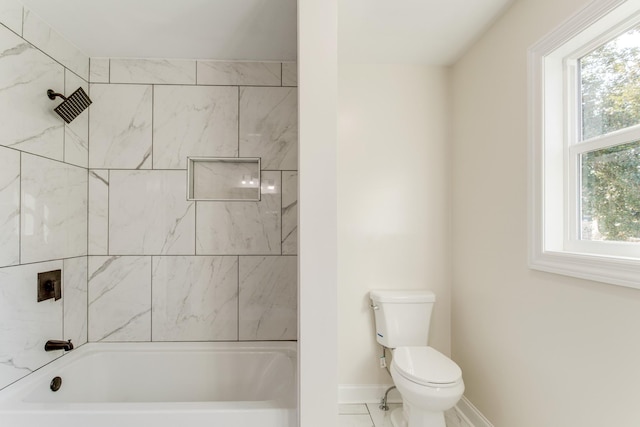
(195, 226)
(87, 300)
(264, 255)
(20, 209)
(151, 301)
(24, 11)
(281, 212)
(64, 125)
(238, 155)
(108, 211)
(88, 212)
(238, 299)
(153, 111)
(373, 424)
(64, 269)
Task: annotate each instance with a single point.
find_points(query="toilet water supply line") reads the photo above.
(383, 364)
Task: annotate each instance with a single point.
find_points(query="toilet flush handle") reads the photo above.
(374, 307)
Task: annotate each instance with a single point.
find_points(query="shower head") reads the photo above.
(72, 105)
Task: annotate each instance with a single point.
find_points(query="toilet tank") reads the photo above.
(402, 317)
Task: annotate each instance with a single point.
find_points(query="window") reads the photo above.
(609, 102)
(585, 145)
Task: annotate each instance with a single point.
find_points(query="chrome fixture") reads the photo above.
(383, 402)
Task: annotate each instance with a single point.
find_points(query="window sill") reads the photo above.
(611, 270)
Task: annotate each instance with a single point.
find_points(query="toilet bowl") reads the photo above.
(429, 383)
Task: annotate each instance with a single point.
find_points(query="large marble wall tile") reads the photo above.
(242, 228)
(53, 210)
(235, 73)
(40, 34)
(119, 298)
(25, 324)
(28, 121)
(193, 121)
(9, 207)
(289, 212)
(195, 298)
(76, 133)
(149, 213)
(120, 126)
(153, 71)
(99, 70)
(289, 74)
(98, 212)
(268, 298)
(269, 126)
(74, 300)
(11, 15)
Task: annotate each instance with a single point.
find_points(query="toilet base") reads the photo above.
(417, 418)
(397, 418)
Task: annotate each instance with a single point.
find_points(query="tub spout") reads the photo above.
(52, 345)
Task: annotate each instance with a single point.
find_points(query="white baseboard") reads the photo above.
(473, 416)
(366, 393)
(372, 393)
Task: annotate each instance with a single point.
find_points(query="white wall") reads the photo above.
(393, 202)
(536, 349)
(317, 71)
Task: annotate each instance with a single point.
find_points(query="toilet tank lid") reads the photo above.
(402, 296)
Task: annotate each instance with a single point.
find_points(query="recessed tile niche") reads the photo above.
(223, 178)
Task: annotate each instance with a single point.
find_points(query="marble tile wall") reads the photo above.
(120, 126)
(29, 125)
(26, 324)
(244, 228)
(165, 268)
(119, 295)
(9, 207)
(105, 198)
(194, 121)
(195, 298)
(40, 34)
(43, 192)
(11, 15)
(149, 213)
(53, 209)
(268, 318)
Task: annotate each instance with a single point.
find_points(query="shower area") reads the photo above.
(168, 207)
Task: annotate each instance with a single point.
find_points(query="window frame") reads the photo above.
(555, 146)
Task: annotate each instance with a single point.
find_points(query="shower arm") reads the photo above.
(52, 95)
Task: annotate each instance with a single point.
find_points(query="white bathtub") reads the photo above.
(159, 384)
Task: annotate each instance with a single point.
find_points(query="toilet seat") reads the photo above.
(426, 366)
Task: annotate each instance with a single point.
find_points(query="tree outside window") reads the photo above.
(610, 177)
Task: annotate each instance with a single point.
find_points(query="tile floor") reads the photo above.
(369, 415)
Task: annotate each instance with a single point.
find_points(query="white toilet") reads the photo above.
(428, 381)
